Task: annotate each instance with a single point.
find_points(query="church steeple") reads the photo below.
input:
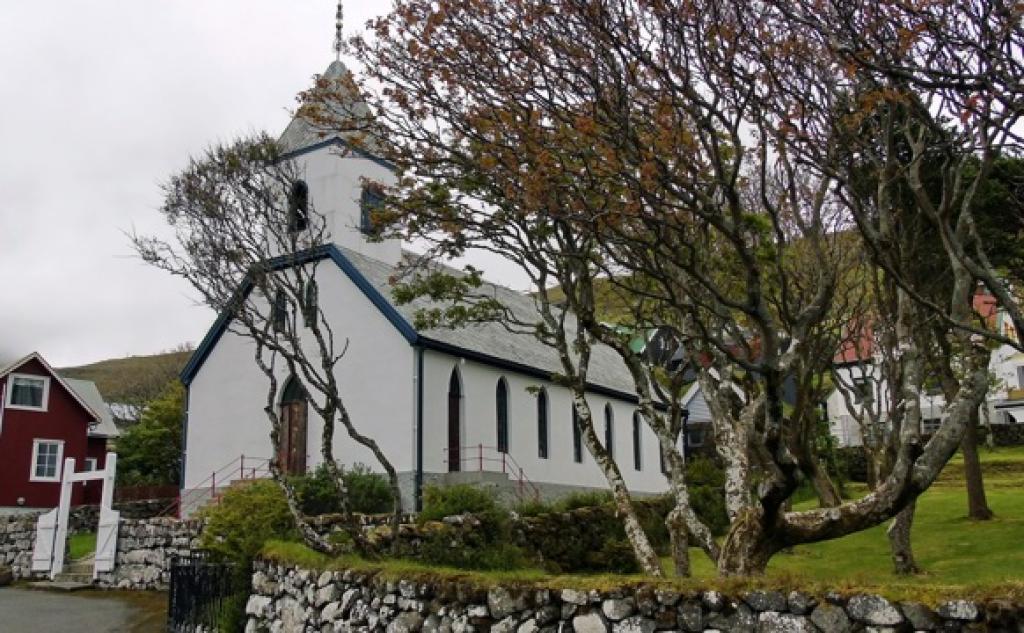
(330, 141)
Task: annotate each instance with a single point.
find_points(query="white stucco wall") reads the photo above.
(226, 397)
(479, 426)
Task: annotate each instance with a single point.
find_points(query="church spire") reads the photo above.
(338, 15)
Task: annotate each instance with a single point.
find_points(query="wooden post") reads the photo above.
(480, 456)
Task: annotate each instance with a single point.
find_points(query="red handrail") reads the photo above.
(256, 468)
(508, 463)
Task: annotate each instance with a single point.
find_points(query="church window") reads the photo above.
(501, 404)
(311, 303)
(609, 430)
(542, 424)
(577, 437)
(298, 206)
(371, 201)
(637, 462)
(279, 313)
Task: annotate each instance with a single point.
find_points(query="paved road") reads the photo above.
(34, 611)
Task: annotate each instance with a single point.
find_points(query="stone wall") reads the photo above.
(145, 550)
(286, 599)
(17, 539)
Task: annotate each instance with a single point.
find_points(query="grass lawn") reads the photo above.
(953, 551)
(81, 545)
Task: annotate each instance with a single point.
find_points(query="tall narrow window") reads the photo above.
(542, 424)
(298, 206)
(637, 453)
(577, 437)
(501, 417)
(370, 202)
(279, 313)
(609, 430)
(311, 303)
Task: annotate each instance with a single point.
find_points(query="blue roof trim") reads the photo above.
(390, 313)
(285, 261)
(336, 140)
(375, 297)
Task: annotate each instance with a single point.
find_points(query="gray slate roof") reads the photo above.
(87, 391)
(493, 339)
(301, 133)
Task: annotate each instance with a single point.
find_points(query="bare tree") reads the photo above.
(711, 155)
(250, 241)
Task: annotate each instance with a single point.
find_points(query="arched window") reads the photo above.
(542, 424)
(279, 311)
(577, 437)
(311, 303)
(609, 430)
(298, 206)
(637, 461)
(370, 202)
(501, 414)
(455, 421)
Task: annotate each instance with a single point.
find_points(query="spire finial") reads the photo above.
(337, 32)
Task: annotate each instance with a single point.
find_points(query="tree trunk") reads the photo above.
(746, 549)
(828, 495)
(641, 545)
(899, 541)
(977, 504)
(679, 542)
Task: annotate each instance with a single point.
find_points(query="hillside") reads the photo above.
(132, 379)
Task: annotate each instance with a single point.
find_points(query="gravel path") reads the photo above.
(35, 611)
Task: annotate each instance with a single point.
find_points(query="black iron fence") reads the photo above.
(204, 593)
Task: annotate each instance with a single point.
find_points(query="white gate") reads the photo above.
(52, 527)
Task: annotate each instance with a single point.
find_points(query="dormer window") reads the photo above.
(371, 201)
(298, 207)
(29, 392)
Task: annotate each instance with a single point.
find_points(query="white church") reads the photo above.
(446, 406)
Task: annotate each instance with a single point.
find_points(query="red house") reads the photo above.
(45, 418)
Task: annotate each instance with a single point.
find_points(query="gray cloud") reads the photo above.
(101, 102)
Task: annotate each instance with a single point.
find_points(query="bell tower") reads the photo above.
(335, 159)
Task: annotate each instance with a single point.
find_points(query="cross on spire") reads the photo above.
(337, 32)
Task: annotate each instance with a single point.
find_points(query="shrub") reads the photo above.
(587, 499)
(440, 502)
(707, 493)
(533, 508)
(368, 491)
(488, 547)
(246, 517)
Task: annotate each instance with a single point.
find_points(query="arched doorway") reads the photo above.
(454, 422)
(291, 454)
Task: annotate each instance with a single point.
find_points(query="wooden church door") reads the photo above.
(291, 453)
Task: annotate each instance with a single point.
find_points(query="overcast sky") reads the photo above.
(100, 102)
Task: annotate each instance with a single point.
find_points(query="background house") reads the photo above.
(45, 418)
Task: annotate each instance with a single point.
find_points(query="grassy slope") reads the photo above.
(81, 545)
(125, 379)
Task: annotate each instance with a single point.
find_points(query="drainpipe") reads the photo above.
(418, 492)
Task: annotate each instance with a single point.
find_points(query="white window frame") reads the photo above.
(35, 457)
(10, 392)
(91, 463)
